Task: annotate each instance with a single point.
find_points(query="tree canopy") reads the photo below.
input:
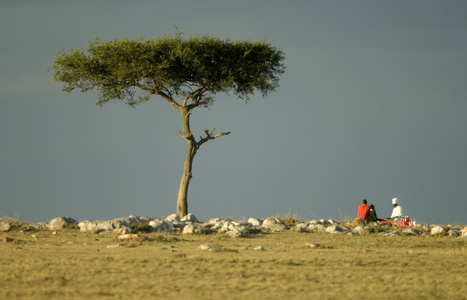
(171, 67)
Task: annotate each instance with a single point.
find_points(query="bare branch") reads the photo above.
(210, 137)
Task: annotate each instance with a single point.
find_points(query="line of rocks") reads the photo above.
(191, 225)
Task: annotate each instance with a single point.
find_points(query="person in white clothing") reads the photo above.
(396, 211)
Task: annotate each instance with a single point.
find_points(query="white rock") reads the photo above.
(411, 231)
(358, 229)
(115, 246)
(234, 234)
(437, 230)
(205, 247)
(302, 227)
(173, 218)
(254, 221)
(312, 245)
(4, 226)
(464, 231)
(214, 221)
(120, 225)
(59, 222)
(190, 218)
(318, 227)
(274, 224)
(189, 229)
(333, 228)
(272, 221)
(87, 226)
(162, 226)
(259, 248)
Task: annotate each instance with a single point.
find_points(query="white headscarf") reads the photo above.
(394, 200)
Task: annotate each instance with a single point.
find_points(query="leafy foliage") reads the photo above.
(142, 227)
(169, 66)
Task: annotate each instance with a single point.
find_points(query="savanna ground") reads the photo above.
(69, 264)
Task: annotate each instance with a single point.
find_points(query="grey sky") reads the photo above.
(372, 105)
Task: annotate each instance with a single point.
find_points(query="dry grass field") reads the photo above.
(74, 265)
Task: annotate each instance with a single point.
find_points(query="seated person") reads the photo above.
(364, 211)
(373, 216)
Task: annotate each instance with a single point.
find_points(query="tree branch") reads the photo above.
(167, 97)
(195, 96)
(210, 137)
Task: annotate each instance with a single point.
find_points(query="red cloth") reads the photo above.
(404, 224)
(364, 212)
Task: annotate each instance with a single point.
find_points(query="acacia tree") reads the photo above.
(187, 73)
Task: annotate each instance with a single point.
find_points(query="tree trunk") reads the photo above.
(192, 148)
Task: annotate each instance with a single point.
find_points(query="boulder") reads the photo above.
(333, 229)
(174, 219)
(60, 222)
(362, 230)
(4, 226)
(274, 224)
(453, 232)
(119, 225)
(464, 231)
(189, 229)
(162, 226)
(254, 221)
(318, 227)
(302, 227)
(437, 230)
(272, 221)
(411, 231)
(214, 221)
(234, 234)
(190, 218)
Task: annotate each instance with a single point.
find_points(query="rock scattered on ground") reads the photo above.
(4, 226)
(205, 247)
(438, 230)
(129, 227)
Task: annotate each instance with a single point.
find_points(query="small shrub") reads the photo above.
(70, 226)
(142, 227)
(157, 238)
(290, 221)
(17, 225)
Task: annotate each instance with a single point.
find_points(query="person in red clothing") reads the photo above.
(364, 211)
